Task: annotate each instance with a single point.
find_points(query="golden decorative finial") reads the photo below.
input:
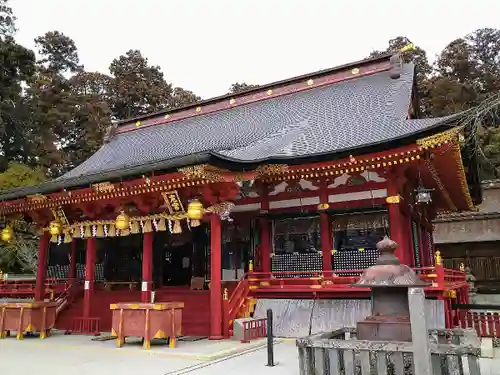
(407, 48)
(462, 267)
(225, 295)
(438, 258)
(250, 266)
(1, 275)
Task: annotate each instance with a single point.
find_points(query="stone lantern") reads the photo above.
(389, 281)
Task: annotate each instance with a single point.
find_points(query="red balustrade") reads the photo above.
(254, 329)
(486, 324)
(438, 277)
(26, 288)
(86, 326)
(232, 306)
(441, 281)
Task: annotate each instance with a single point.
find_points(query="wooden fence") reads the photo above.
(254, 329)
(340, 353)
(431, 352)
(486, 322)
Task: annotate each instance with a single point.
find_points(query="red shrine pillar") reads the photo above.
(215, 278)
(90, 258)
(41, 271)
(147, 267)
(399, 227)
(265, 244)
(265, 233)
(72, 262)
(325, 229)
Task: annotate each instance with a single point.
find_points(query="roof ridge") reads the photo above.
(266, 86)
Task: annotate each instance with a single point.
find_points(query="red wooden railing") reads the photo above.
(26, 288)
(441, 280)
(86, 326)
(233, 304)
(254, 329)
(68, 296)
(486, 324)
(438, 276)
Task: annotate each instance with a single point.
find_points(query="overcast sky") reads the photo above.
(206, 45)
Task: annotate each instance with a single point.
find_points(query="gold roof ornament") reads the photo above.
(409, 47)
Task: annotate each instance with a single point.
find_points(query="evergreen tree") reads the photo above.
(240, 87)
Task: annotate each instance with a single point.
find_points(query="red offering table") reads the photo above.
(27, 317)
(147, 320)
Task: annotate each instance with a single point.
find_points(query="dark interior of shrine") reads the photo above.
(176, 258)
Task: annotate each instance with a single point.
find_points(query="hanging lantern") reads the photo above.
(7, 234)
(55, 228)
(195, 210)
(122, 221)
(423, 195)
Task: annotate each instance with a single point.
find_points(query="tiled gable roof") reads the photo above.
(330, 119)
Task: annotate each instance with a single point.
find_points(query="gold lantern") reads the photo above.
(55, 228)
(195, 212)
(7, 234)
(122, 221)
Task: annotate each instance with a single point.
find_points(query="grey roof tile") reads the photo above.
(344, 116)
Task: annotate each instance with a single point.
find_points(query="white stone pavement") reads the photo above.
(77, 355)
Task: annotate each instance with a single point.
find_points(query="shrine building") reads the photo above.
(270, 198)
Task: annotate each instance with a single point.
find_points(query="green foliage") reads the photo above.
(7, 19)
(418, 55)
(59, 53)
(240, 87)
(17, 65)
(465, 73)
(53, 113)
(19, 175)
(137, 88)
(20, 254)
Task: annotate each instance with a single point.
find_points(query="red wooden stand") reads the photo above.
(147, 320)
(27, 317)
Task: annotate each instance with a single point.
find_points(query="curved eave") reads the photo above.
(117, 174)
(407, 139)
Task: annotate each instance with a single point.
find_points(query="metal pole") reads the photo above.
(270, 343)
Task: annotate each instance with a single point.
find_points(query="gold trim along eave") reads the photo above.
(464, 186)
(203, 174)
(436, 140)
